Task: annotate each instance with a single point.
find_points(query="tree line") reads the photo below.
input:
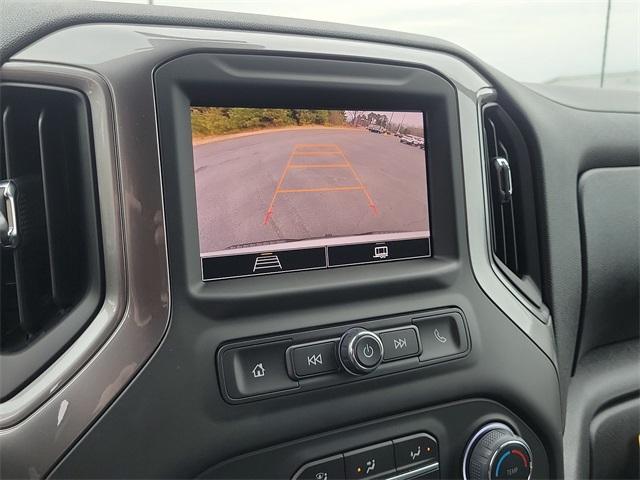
(208, 121)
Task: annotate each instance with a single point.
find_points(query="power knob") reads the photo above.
(495, 452)
(361, 351)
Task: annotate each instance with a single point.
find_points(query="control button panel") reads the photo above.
(252, 370)
(314, 359)
(256, 370)
(400, 343)
(370, 462)
(412, 457)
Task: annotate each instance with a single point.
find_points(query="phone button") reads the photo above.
(370, 462)
(441, 336)
(415, 450)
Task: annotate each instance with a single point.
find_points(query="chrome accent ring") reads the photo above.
(351, 353)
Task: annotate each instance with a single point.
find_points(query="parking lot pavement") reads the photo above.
(307, 183)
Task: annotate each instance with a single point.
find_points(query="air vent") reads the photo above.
(50, 268)
(514, 232)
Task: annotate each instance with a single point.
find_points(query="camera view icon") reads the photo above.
(381, 252)
(267, 262)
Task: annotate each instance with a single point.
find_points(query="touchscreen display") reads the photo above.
(282, 190)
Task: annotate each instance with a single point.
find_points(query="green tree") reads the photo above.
(207, 121)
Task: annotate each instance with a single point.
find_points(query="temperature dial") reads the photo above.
(361, 351)
(496, 453)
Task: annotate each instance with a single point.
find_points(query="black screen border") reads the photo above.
(208, 262)
(256, 78)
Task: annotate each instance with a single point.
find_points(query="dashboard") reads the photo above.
(367, 270)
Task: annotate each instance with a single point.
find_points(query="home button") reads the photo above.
(256, 370)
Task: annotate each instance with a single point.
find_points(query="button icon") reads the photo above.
(371, 466)
(368, 352)
(415, 454)
(381, 252)
(315, 359)
(322, 476)
(439, 336)
(364, 353)
(266, 262)
(371, 462)
(399, 343)
(258, 371)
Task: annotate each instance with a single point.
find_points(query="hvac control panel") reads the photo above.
(414, 456)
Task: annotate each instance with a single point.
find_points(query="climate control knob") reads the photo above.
(360, 350)
(495, 452)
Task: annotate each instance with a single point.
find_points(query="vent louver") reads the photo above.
(50, 269)
(514, 232)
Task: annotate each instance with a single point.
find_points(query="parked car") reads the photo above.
(407, 139)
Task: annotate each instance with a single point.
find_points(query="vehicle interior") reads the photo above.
(242, 246)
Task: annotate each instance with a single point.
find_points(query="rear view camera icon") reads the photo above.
(266, 262)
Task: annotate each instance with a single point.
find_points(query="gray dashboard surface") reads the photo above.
(543, 113)
(609, 200)
(23, 22)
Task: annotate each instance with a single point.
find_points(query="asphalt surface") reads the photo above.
(269, 186)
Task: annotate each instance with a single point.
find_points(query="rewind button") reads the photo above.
(314, 359)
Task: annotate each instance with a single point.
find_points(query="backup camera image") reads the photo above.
(276, 179)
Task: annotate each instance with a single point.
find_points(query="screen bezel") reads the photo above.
(258, 78)
(281, 247)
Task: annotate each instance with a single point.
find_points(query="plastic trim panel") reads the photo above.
(137, 293)
(93, 87)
